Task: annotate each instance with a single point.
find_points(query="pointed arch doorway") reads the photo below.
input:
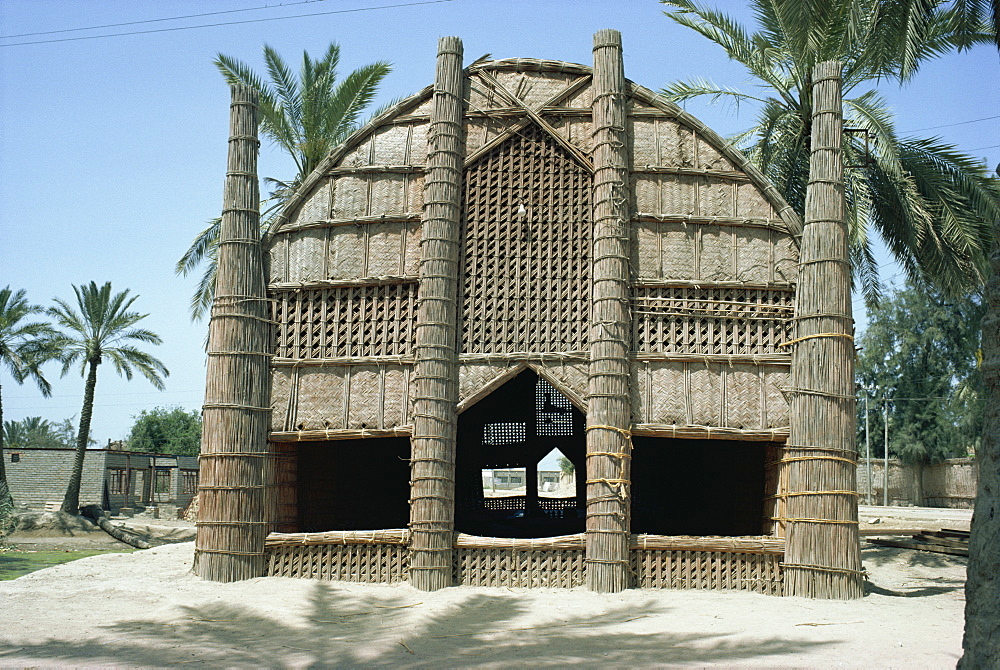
(502, 439)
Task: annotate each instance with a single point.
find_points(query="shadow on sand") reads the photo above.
(344, 630)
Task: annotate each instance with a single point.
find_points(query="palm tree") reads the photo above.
(931, 204)
(307, 116)
(32, 431)
(100, 326)
(22, 350)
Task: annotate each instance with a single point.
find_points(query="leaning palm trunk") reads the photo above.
(71, 503)
(96, 514)
(982, 590)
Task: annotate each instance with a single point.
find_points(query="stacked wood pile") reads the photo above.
(945, 541)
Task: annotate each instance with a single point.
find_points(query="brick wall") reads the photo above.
(40, 476)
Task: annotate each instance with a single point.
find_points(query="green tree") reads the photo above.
(566, 466)
(22, 349)
(31, 432)
(307, 116)
(166, 431)
(922, 352)
(932, 205)
(100, 326)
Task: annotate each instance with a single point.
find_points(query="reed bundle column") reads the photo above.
(609, 415)
(435, 372)
(236, 414)
(822, 556)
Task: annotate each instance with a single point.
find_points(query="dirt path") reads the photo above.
(148, 609)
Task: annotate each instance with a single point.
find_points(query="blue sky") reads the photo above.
(112, 150)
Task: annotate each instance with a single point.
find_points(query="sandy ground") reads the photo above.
(148, 609)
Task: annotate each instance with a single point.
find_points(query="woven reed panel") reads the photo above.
(751, 203)
(664, 569)
(525, 282)
(366, 563)
(786, 260)
(281, 389)
(661, 142)
(711, 158)
(276, 259)
(377, 397)
(346, 252)
(280, 477)
(534, 88)
(315, 207)
(387, 247)
(776, 406)
(354, 321)
(711, 320)
(554, 568)
(576, 130)
(375, 194)
(582, 99)
(474, 376)
(692, 195)
(403, 144)
(306, 249)
(737, 395)
(319, 399)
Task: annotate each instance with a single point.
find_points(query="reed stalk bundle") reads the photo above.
(823, 553)
(236, 414)
(609, 443)
(435, 373)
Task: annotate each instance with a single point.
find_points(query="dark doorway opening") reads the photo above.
(353, 484)
(697, 487)
(501, 441)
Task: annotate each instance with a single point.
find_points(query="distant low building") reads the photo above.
(112, 478)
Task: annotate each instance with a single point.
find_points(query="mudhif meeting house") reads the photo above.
(532, 257)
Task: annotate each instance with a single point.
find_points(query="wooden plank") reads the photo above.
(912, 544)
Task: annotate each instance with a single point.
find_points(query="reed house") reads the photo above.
(526, 255)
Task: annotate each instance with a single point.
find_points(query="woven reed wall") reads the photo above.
(712, 267)
(666, 563)
(744, 396)
(338, 397)
(281, 480)
(366, 563)
(526, 210)
(760, 573)
(553, 568)
(714, 261)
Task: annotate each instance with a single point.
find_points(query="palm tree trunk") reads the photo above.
(6, 501)
(71, 503)
(982, 590)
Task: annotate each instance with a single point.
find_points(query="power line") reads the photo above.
(957, 123)
(169, 18)
(231, 23)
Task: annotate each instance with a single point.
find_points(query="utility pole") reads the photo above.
(868, 452)
(885, 468)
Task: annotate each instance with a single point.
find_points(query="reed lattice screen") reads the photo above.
(526, 249)
(373, 320)
(728, 321)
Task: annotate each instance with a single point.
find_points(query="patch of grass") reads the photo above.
(14, 562)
